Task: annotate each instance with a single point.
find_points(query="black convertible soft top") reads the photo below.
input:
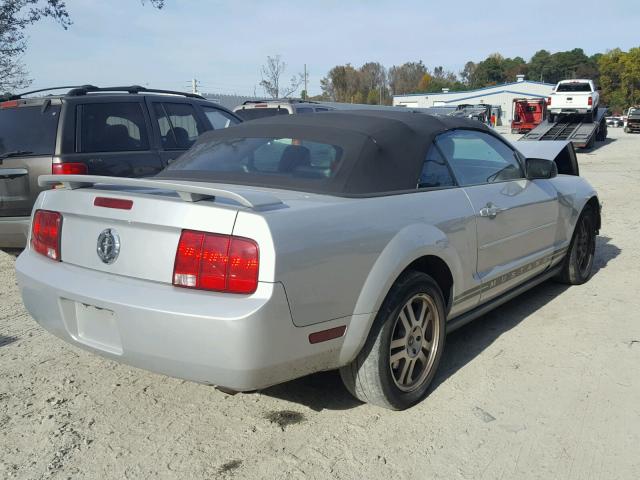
(382, 151)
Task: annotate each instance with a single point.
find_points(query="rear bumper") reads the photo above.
(238, 342)
(570, 110)
(14, 231)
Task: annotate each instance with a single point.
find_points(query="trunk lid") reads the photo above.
(148, 232)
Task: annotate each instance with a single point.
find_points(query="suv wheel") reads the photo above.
(403, 350)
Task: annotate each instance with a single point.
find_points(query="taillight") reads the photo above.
(548, 101)
(223, 263)
(590, 101)
(9, 104)
(45, 233)
(71, 168)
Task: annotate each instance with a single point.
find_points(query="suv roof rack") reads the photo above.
(78, 90)
(18, 96)
(278, 100)
(85, 89)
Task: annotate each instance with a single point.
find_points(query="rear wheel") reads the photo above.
(403, 350)
(588, 118)
(578, 263)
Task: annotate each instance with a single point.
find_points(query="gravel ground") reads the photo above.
(546, 386)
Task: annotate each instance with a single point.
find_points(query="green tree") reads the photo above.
(539, 66)
(612, 66)
(631, 76)
(405, 78)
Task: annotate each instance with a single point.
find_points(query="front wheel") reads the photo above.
(578, 263)
(404, 347)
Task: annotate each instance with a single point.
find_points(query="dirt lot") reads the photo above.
(546, 387)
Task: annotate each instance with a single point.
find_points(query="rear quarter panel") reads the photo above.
(340, 259)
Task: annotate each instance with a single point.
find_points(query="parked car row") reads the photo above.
(253, 109)
(115, 131)
(121, 132)
(615, 122)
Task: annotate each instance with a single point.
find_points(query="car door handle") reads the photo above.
(13, 172)
(490, 211)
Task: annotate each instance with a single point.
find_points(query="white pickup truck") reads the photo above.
(571, 97)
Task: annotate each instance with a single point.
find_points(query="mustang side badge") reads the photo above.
(108, 246)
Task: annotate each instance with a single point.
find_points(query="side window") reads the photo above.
(477, 157)
(322, 109)
(435, 172)
(218, 118)
(178, 125)
(112, 127)
(304, 110)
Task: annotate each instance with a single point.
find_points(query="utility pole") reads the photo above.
(194, 86)
(306, 83)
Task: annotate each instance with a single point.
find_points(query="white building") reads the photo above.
(499, 95)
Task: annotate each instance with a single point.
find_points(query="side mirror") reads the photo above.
(540, 168)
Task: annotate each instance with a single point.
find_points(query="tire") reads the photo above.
(384, 373)
(578, 264)
(588, 118)
(602, 132)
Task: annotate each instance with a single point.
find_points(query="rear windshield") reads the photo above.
(254, 113)
(262, 157)
(29, 129)
(574, 87)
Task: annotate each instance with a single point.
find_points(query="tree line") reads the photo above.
(616, 71)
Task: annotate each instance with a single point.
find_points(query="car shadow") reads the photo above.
(12, 251)
(7, 340)
(596, 146)
(325, 390)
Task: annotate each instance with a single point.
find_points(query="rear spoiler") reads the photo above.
(188, 191)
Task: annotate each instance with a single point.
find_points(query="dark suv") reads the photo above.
(121, 131)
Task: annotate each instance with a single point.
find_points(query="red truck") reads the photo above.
(528, 113)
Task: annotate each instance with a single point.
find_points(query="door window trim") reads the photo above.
(435, 146)
(517, 155)
(197, 115)
(79, 114)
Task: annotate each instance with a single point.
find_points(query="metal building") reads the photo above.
(498, 95)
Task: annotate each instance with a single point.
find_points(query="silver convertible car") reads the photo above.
(291, 245)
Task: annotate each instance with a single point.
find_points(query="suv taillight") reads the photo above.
(223, 263)
(45, 233)
(548, 101)
(590, 101)
(70, 168)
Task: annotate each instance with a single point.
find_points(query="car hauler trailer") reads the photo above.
(572, 128)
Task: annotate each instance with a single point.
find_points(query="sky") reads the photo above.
(223, 43)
